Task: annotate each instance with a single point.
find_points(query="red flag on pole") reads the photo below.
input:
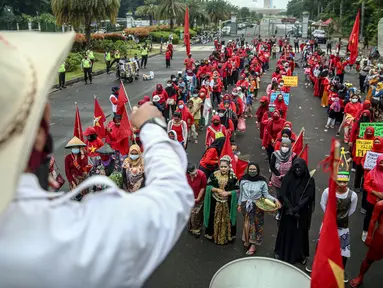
(241, 168)
(227, 150)
(98, 119)
(77, 129)
(328, 269)
(299, 143)
(122, 99)
(186, 32)
(124, 133)
(353, 41)
(305, 154)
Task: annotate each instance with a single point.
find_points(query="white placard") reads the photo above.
(371, 158)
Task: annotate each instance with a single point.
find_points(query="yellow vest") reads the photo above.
(107, 56)
(90, 55)
(144, 52)
(86, 63)
(117, 56)
(62, 68)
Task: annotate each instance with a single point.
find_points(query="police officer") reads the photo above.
(90, 54)
(144, 56)
(62, 71)
(86, 66)
(116, 56)
(107, 60)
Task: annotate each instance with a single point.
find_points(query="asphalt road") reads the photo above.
(193, 262)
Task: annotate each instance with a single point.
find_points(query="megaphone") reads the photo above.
(259, 272)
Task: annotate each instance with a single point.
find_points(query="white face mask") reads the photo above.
(75, 150)
(353, 100)
(181, 106)
(169, 84)
(332, 99)
(285, 149)
(134, 157)
(221, 114)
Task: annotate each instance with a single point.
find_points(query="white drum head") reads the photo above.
(259, 272)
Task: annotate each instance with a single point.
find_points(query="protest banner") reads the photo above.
(362, 146)
(378, 126)
(371, 158)
(290, 81)
(286, 97)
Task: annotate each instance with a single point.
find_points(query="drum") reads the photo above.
(260, 272)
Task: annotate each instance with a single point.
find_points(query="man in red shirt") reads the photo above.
(197, 181)
(189, 62)
(167, 58)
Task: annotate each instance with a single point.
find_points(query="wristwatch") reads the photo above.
(157, 121)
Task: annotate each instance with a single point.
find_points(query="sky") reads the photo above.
(259, 3)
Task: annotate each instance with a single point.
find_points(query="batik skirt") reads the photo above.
(253, 224)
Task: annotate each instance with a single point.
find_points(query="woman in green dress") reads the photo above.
(220, 204)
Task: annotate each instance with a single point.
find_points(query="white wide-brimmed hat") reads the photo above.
(28, 68)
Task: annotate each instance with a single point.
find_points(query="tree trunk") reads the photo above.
(151, 20)
(171, 24)
(88, 22)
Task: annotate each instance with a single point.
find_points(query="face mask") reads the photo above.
(221, 114)
(134, 157)
(169, 85)
(75, 150)
(174, 79)
(271, 109)
(354, 100)
(195, 95)
(280, 99)
(285, 138)
(332, 99)
(216, 123)
(285, 149)
(275, 117)
(253, 173)
(181, 106)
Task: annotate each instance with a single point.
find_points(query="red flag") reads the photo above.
(305, 154)
(298, 144)
(241, 168)
(125, 131)
(77, 130)
(226, 150)
(98, 119)
(122, 99)
(328, 267)
(186, 32)
(353, 41)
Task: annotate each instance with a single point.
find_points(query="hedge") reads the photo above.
(191, 31)
(165, 34)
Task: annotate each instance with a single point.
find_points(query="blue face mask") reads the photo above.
(134, 157)
(75, 150)
(181, 106)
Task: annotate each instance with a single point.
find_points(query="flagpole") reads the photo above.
(126, 94)
(299, 135)
(304, 147)
(335, 162)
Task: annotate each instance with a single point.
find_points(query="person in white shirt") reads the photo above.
(113, 98)
(111, 239)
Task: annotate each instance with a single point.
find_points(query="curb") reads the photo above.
(55, 88)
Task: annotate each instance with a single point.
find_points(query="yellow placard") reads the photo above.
(290, 81)
(362, 146)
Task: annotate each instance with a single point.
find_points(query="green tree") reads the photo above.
(244, 12)
(77, 13)
(197, 12)
(129, 5)
(171, 10)
(218, 10)
(29, 7)
(149, 9)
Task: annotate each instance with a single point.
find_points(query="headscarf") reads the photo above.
(184, 111)
(134, 163)
(287, 132)
(377, 174)
(378, 148)
(293, 186)
(366, 118)
(255, 178)
(281, 156)
(371, 129)
(174, 134)
(217, 145)
(288, 123)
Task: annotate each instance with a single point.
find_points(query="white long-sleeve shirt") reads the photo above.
(354, 200)
(110, 239)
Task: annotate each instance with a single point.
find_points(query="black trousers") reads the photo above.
(361, 83)
(107, 66)
(296, 47)
(61, 79)
(225, 82)
(367, 217)
(328, 49)
(358, 176)
(167, 63)
(341, 77)
(144, 60)
(216, 100)
(88, 75)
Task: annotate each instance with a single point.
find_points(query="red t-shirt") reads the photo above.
(197, 183)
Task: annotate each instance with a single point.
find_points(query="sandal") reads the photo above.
(251, 252)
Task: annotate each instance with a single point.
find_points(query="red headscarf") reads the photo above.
(281, 106)
(378, 148)
(262, 108)
(377, 174)
(372, 130)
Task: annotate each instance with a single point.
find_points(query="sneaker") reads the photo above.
(346, 278)
(353, 170)
(364, 236)
(278, 216)
(362, 210)
(326, 126)
(309, 269)
(332, 126)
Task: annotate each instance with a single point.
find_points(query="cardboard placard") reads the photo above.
(286, 97)
(290, 81)
(371, 158)
(378, 126)
(362, 146)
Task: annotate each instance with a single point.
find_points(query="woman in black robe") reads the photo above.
(298, 203)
